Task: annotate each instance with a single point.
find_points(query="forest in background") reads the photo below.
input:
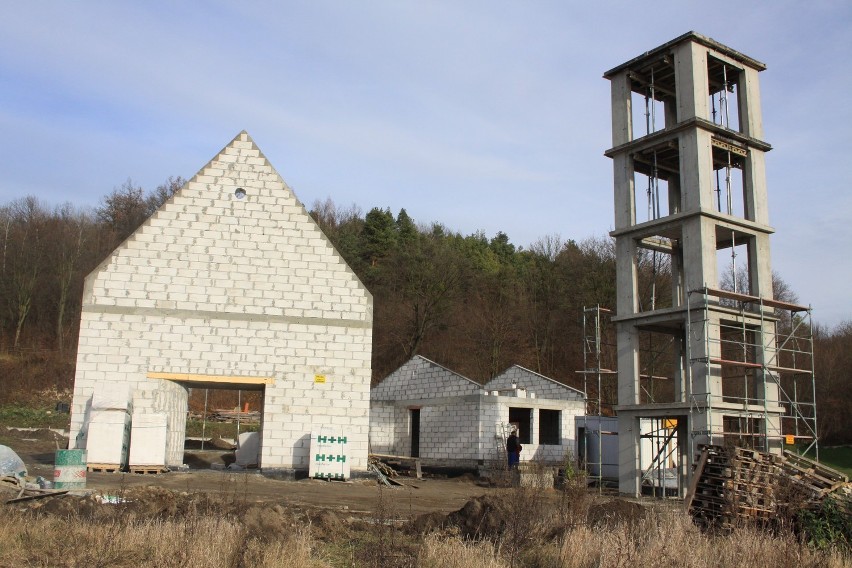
(473, 303)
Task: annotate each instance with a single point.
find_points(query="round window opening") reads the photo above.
(240, 193)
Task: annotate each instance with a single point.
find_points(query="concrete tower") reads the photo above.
(696, 317)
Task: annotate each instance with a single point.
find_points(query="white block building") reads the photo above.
(231, 284)
(425, 410)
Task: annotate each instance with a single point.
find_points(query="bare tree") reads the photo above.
(70, 236)
(124, 210)
(23, 250)
(163, 193)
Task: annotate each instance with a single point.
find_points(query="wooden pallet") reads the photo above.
(103, 468)
(148, 469)
(731, 484)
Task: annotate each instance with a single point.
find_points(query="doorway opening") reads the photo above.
(223, 426)
(415, 432)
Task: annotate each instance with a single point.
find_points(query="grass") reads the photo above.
(194, 429)
(839, 458)
(29, 416)
(17, 415)
(213, 539)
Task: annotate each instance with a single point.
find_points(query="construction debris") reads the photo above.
(18, 489)
(384, 468)
(732, 485)
(391, 462)
(11, 465)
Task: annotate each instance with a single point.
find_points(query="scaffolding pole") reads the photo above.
(595, 348)
(770, 343)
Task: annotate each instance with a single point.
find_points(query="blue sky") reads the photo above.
(489, 116)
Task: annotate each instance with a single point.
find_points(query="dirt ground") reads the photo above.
(357, 497)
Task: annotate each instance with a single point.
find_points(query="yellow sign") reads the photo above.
(319, 379)
(789, 439)
(670, 423)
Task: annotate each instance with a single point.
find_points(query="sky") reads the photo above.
(480, 115)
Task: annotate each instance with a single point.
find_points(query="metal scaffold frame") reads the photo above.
(596, 348)
(769, 345)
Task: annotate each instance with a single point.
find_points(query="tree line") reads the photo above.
(474, 303)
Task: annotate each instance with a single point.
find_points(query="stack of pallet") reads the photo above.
(818, 481)
(734, 484)
(706, 500)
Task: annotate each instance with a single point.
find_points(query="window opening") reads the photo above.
(548, 427)
(724, 96)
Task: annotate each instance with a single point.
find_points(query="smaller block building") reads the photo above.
(428, 411)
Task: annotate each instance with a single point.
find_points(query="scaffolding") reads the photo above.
(762, 350)
(598, 350)
(658, 436)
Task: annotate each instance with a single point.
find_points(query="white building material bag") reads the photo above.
(11, 465)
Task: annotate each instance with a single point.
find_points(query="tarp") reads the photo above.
(10, 464)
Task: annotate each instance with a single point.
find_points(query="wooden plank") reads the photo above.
(194, 378)
(756, 300)
(696, 475)
(103, 467)
(40, 495)
(149, 470)
(405, 459)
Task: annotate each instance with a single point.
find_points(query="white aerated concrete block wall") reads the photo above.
(218, 283)
(450, 431)
(421, 379)
(542, 386)
(382, 428)
(459, 419)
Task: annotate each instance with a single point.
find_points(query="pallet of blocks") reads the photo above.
(108, 429)
(148, 437)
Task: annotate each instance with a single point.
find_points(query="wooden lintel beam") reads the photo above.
(195, 378)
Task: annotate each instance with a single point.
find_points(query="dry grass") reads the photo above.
(456, 553)
(548, 532)
(199, 542)
(671, 539)
(656, 542)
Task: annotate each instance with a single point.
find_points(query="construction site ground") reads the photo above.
(359, 496)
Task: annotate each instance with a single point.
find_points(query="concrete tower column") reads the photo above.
(690, 62)
(622, 110)
(751, 115)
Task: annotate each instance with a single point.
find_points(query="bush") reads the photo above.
(827, 527)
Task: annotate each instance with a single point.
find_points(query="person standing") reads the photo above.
(513, 449)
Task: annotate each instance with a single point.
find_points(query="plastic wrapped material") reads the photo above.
(11, 465)
(249, 450)
(148, 438)
(112, 397)
(108, 440)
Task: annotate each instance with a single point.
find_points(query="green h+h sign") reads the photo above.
(330, 457)
(328, 476)
(331, 439)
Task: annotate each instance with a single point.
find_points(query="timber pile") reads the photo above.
(384, 468)
(732, 485)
